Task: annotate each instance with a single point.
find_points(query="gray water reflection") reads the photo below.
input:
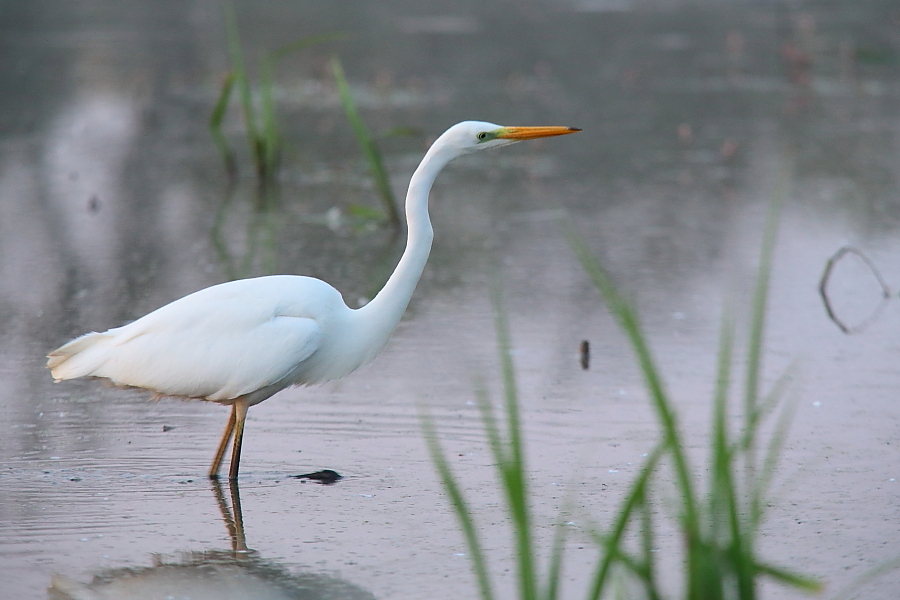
(110, 191)
(236, 574)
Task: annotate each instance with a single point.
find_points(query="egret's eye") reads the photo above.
(482, 136)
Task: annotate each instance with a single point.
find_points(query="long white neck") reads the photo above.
(381, 316)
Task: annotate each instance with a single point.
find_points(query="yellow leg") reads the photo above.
(240, 414)
(223, 444)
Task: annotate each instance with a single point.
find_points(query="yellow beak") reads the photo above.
(530, 133)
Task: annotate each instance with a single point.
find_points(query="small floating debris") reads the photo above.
(168, 427)
(325, 476)
(585, 354)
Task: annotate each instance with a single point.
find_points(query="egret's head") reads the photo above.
(470, 136)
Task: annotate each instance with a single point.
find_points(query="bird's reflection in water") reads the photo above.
(236, 574)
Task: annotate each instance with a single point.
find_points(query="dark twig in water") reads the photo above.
(823, 290)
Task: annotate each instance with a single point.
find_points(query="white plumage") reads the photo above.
(217, 344)
(240, 342)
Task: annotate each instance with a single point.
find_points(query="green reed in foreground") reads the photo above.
(718, 527)
(508, 454)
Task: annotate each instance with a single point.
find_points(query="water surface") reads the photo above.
(114, 201)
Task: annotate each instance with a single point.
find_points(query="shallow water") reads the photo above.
(113, 201)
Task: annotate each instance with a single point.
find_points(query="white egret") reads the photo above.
(240, 342)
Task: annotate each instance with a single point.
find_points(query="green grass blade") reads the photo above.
(513, 469)
(852, 589)
(792, 579)
(630, 564)
(304, 43)
(726, 516)
(557, 549)
(760, 300)
(770, 460)
(236, 55)
(610, 544)
(215, 126)
(724, 358)
(773, 398)
(366, 144)
(720, 447)
(460, 507)
(648, 568)
(753, 411)
(271, 142)
(510, 391)
(492, 429)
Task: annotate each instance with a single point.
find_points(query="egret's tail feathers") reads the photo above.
(80, 357)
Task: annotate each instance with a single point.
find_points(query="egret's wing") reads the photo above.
(215, 348)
